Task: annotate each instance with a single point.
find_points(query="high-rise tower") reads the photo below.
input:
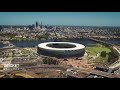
(37, 24)
(41, 25)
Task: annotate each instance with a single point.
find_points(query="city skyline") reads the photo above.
(61, 18)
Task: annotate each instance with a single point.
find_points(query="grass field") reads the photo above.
(92, 51)
(96, 49)
(103, 60)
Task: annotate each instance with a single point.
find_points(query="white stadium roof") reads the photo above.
(44, 46)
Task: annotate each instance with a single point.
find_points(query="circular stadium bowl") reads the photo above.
(61, 49)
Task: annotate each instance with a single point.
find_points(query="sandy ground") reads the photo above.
(77, 63)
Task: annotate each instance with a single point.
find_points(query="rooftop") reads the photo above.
(77, 46)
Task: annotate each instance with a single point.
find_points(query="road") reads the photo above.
(94, 72)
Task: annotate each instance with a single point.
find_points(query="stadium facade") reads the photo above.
(61, 49)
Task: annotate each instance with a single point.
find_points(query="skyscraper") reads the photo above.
(33, 26)
(37, 24)
(41, 25)
(29, 27)
(1, 28)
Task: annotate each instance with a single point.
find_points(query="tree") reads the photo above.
(103, 54)
(112, 57)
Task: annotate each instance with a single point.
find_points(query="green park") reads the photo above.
(102, 55)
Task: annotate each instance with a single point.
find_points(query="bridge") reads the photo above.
(100, 41)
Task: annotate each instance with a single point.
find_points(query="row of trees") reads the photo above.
(112, 56)
(44, 36)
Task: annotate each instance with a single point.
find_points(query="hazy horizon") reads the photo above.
(61, 18)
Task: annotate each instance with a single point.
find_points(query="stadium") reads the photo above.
(61, 49)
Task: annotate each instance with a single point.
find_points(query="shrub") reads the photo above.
(103, 54)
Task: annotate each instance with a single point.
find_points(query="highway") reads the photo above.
(93, 72)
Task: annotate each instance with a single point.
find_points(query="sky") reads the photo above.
(61, 18)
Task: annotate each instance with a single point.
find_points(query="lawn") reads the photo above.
(102, 60)
(96, 49)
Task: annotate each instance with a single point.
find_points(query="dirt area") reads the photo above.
(53, 74)
(77, 63)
